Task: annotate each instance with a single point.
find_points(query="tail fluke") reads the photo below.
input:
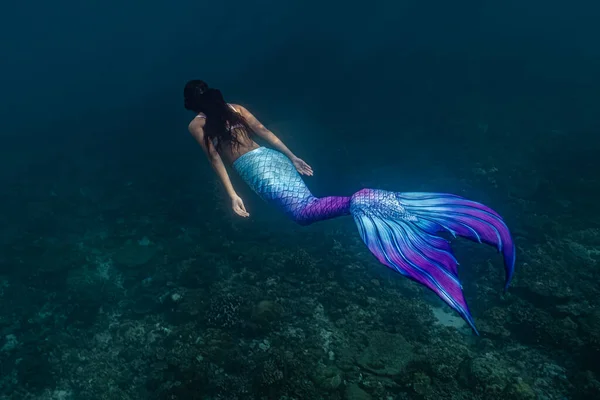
(399, 229)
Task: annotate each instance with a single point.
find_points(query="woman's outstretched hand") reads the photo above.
(302, 167)
(238, 207)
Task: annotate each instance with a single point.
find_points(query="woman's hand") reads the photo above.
(302, 167)
(238, 206)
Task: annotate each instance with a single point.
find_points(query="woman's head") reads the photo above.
(200, 98)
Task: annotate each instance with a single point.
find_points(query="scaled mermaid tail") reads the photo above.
(398, 228)
(275, 179)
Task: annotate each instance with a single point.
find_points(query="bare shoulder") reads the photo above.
(240, 108)
(196, 125)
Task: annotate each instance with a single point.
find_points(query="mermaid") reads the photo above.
(399, 228)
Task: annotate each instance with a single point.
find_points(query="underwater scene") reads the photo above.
(412, 212)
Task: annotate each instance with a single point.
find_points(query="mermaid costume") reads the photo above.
(398, 228)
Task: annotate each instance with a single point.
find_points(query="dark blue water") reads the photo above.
(124, 274)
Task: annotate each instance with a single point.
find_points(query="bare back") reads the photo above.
(229, 151)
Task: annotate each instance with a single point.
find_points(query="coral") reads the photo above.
(225, 311)
(421, 384)
(354, 392)
(520, 390)
(271, 372)
(584, 245)
(386, 354)
(485, 374)
(327, 378)
(266, 312)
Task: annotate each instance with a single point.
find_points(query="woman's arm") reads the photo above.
(197, 131)
(273, 140)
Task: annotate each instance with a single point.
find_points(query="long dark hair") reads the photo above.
(222, 122)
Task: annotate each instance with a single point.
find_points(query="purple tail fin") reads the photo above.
(399, 229)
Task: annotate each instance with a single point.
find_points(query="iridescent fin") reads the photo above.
(466, 218)
(399, 229)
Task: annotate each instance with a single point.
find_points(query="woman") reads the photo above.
(398, 228)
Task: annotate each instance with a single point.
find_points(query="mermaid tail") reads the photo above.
(398, 228)
(272, 176)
